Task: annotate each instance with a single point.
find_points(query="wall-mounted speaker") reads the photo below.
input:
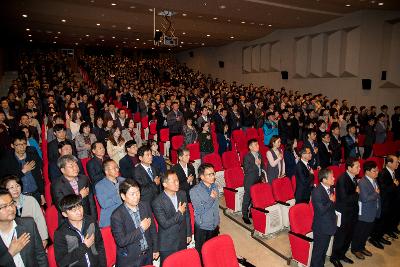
(157, 36)
(285, 75)
(366, 84)
(383, 75)
(221, 64)
(191, 54)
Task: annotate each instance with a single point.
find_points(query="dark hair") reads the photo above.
(126, 184)
(4, 191)
(6, 179)
(324, 134)
(304, 150)
(129, 143)
(143, 149)
(64, 143)
(106, 163)
(59, 127)
(203, 167)
(19, 135)
(390, 158)
(334, 125)
(94, 145)
(69, 202)
(324, 174)
(350, 162)
(165, 176)
(22, 127)
(289, 145)
(251, 141)
(350, 125)
(381, 115)
(111, 136)
(182, 150)
(273, 139)
(83, 126)
(310, 131)
(204, 123)
(369, 165)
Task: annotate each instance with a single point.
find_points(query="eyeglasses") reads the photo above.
(11, 204)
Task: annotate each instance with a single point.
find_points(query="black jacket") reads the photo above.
(304, 183)
(95, 171)
(346, 197)
(324, 156)
(70, 250)
(126, 166)
(55, 173)
(324, 221)
(183, 184)
(52, 149)
(148, 189)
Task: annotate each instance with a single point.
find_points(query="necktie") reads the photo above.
(150, 172)
(355, 181)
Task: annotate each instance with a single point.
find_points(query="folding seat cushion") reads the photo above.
(284, 196)
(51, 256)
(251, 133)
(145, 127)
(267, 214)
(300, 235)
(195, 156)
(230, 159)
(51, 217)
(215, 160)
(379, 150)
(176, 143)
(164, 143)
(219, 252)
(234, 191)
(109, 246)
(183, 258)
(84, 162)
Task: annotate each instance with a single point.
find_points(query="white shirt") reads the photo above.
(391, 172)
(7, 237)
(327, 189)
(185, 169)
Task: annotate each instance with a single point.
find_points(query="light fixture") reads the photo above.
(124, 42)
(202, 44)
(152, 48)
(144, 43)
(58, 32)
(24, 15)
(102, 40)
(182, 42)
(232, 37)
(113, 4)
(150, 9)
(76, 43)
(269, 25)
(228, 20)
(113, 37)
(30, 40)
(261, 24)
(183, 33)
(252, 23)
(129, 27)
(199, 16)
(132, 7)
(87, 35)
(29, 35)
(27, 29)
(380, 4)
(222, 6)
(243, 22)
(55, 37)
(180, 46)
(135, 47)
(348, 5)
(137, 39)
(98, 24)
(208, 35)
(54, 42)
(184, 14)
(63, 20)
(215, 18)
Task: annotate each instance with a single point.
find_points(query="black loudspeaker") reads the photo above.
(383, 75)
(366, 84)
(221, 64)
(191, 54)
(285, 75)
(157, 36)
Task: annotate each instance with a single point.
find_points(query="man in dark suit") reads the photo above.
(185, 171)
(324, 222)
(110, 114)
(128, 163)
(120, 120)
(347, 205)
(312, 144)
(73, 183)
(381, 129)
(304, 177)
(133, 228)
(146, 175)
(336, 144)
(253, 165)
(20, 242)
(324, 150)
(94, 166)
(370, 210)
(172, 214)
(175, 120)
(351, 142)
(59, 131)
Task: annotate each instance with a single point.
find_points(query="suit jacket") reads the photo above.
(62, 188)
(33, 254)
(369, 135)
(52, 149)
(324, 221)
(324, 156)
(174, 125)
(251, 170)
(388, 190)
(304, 183)
(95, 171)
(148, 189)
(370, 201)
(126, 166)
(127, 236)
(380, 133)
(108, 116)
(119, 124)
(314, 162)
(336, 147)
(55, 173)
(173, 227)
(183, 184)
(350, 147)
(346, 197)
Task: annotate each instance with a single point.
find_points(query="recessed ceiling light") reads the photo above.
(182, 42)
(30, 40)
(215, 18)
(228, 20)
(202, 43)
(208, 35)
(76, 43)
(58, 32)
(63, 20)
(129, 27)
(135, 47)
(183, 33)
(150, 9)
(184, 14)
(30, 35)
(222, 6)
(137, 39)
(243, 22)
(144, 43)
(152, 48)
(180, 46)
(113, 26)
(124, 42)
(98, 24)
(348, 5)
(54, 42)
(24, 15)
(232, 37)
(91, 1)
(269, 25)
(261, 24)
(199, 16)
(55, 37)
(132, 7)
(169, 49)
(27, 29)
(113, 4)
(102, 40)
(87, 35)
(252, 23)
(380, 4)
(113, 37)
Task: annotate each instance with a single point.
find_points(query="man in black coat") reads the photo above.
(133, 228)
(128, 163)
(324, 222)
(185, 171)
(324, 151)
(59, 131)
(347, 204)
(304, 177)
(312, 144)
(94, 166)
(146, 175)
(26, 247)
(172, 214)
(253, 165)
(336, 144)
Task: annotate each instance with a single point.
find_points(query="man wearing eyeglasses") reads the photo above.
(20, 242)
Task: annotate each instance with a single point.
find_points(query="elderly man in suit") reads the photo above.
(185, 171)
(370, 209)
(324, 222)
(133, 228)
(347, 204)
(20, 242)
(304, 177)
(146, 175)
(253, 166)
(73, 183)
(172, 214)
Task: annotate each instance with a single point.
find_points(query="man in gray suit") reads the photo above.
(370, 209)
(380, 129)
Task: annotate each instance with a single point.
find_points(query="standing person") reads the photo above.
(175, 121)
(133, 228)
(324, 222)
(347, 204)
(205, 202)
(172, 214)
(185, 171)
(253, 165)
(205, 140)
(396, 123)
(20, 242)
(381, 129)
(336, 144)
(351, 142)
(78, 241)
(270, 128)
(291, 157)
(107, 191)
(324, 150)
(370, 210)
(276, 162)
(311, 143)
(304, 177)
(189, 132)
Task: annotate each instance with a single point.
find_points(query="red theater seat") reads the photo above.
(51, 216)
(51, 256)
(183, 258)
(233, 190)
(219, 252)
(109, 246)
(284, 195)
(230, 159)
(176, 143)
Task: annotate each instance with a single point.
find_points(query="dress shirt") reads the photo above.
(174, 200)
(135, 215)
(7, 238)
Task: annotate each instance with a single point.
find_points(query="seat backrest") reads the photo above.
(136, 117)
(219, 252)
(51, 256)
(230, 159)
(237, 135)
(215, 160)
(251, 133)
(234, 177)
(194, 151)
(182, 258)
(282, 189)
(84, 162)
(51, 216)
(164, 135)
(153, 127)
(379, 150)
(177, 141)
(301, 218)
(337, 171)
(191, 213)
(109, 246)
(261, 195)
(378, 161)
(145, 122)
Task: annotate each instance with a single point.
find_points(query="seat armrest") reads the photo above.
(282, 203)
(230, 189)
(306, 238)
(260, 209)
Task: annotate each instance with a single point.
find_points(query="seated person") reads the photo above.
(95, 165)
(52, 147)
(130, 160)
(78, 241)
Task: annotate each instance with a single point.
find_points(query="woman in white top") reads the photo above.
(27, 206)
(131, 132)
(116, 145)
(75, 122)
(276, 162)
